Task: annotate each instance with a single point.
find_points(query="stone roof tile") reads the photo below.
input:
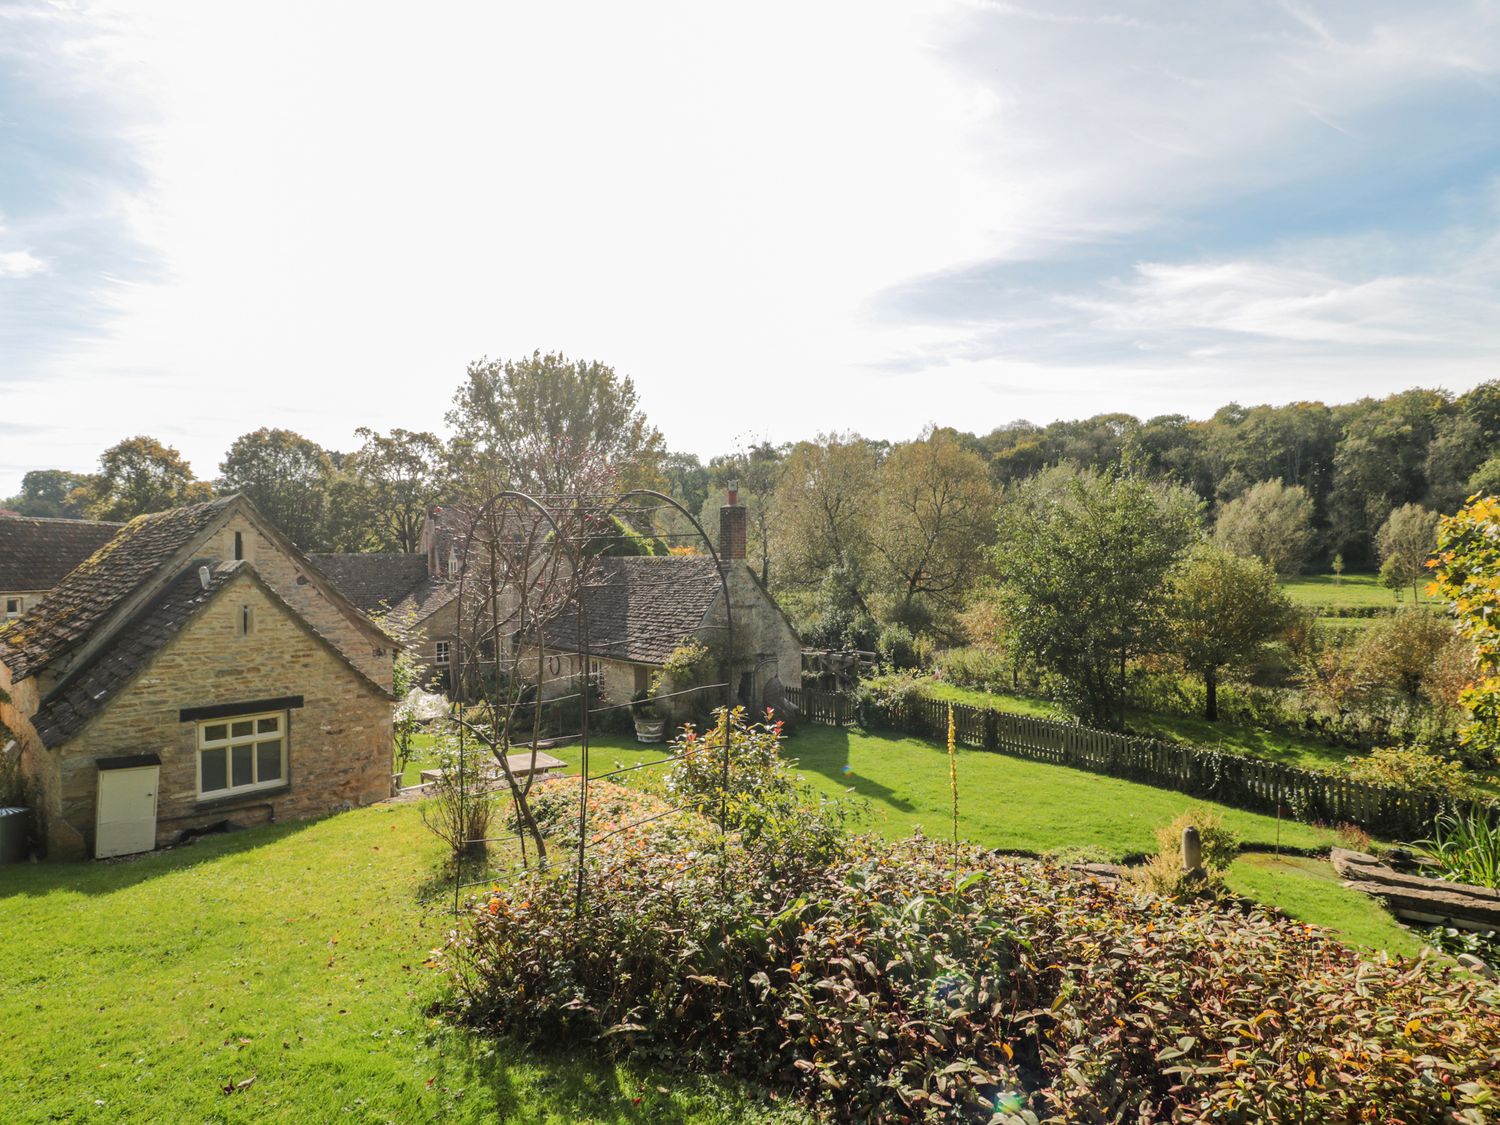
(641, 608)
(37, 554)
(96, 587)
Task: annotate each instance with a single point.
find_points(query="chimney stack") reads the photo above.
(732, 526)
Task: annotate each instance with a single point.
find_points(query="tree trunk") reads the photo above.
(1211, 694)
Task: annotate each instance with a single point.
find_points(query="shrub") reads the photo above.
(1163, 873)
(461, 804)
(1408, 767)
(974, 667)
(889, 694)
(897, 648)
(892, 983)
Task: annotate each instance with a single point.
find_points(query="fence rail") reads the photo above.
(1231, 779)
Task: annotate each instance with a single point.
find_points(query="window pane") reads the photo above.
(213, 770)
(215, 733)
(243, 730)
(267, 726)
(268, 760)
(243, 765)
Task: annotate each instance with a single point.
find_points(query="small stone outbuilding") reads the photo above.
(197, 669)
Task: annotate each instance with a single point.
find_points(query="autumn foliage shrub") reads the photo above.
(904, 982)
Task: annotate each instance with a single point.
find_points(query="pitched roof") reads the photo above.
(374, 582)
(66, 710)
(36, 553)
(131, 650)
(98, 585)
(640, 608)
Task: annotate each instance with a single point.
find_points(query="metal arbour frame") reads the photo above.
(587, 511)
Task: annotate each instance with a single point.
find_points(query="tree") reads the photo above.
(1082, 557)
(47, 492)
(756, 469)
(551, 426)
(1222, 608)
(1485, 480)
(287, 477)
(1396, 655)
(402, 474)
(824, 515)
(1466, 573)
(1271, 522)
(934, 518)
(137, 476)
(1406, 541)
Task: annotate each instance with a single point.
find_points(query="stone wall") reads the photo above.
(339, 746)
(361, 643)
(765, 645)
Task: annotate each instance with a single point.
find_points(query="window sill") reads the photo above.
(249, 796)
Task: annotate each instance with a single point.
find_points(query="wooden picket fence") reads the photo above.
(1231, 779)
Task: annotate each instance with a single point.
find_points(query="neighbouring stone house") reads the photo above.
(413, 594)
(195, 669)
(36, 554)
(640, 609)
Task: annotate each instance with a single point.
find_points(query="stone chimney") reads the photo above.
(732, 526)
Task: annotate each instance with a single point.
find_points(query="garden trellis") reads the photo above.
(527, 565)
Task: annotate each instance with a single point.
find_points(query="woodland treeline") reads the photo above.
(846, 529)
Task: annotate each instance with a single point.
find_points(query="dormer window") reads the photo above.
(15, 606)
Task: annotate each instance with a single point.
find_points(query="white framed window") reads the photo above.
(241, 754)
(440, 654)
(15, 606)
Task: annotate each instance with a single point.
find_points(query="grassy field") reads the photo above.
(1352, 590)
(284, 965)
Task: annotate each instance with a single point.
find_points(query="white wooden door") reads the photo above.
(126, 821)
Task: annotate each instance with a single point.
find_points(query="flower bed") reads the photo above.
(878, 984)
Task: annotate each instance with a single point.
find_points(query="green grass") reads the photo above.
(290, 954)
(1309, 889)
(1255, 741)
(1353, 590)
(1009, 803)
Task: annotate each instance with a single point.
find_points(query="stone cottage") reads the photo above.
(196, 669)
(640, 609)
(36, 554)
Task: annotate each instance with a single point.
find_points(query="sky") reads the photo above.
(779, 219)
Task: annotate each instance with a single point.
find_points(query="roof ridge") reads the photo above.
(19, 518)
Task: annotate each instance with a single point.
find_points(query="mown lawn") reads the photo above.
(901, 784)
(287, 960)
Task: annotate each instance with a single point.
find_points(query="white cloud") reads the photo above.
(20, 263)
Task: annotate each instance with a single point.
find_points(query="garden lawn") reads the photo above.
(283, 963)
(1010, 803)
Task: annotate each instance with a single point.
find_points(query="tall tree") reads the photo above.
(756, 470)
(824, 515)
(137, 476)
(934, 519)
(1082, 557)
(551, 426)
(287, 477)
(48, 492)
(1222, 608)
(403, 474)
(1271, 522)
